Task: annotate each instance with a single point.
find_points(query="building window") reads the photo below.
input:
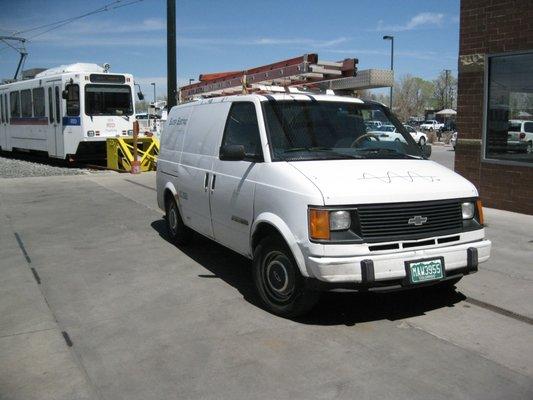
(38, 102)
(25, 103)
(509, 124)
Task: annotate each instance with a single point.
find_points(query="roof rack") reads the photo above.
(300, 72)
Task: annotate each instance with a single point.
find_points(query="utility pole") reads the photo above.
(172, 84)
(446, 88)
(391, 38)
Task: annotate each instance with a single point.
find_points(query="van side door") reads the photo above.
(200, 148)
(233, 184)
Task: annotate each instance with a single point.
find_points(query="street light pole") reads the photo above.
(172, 88)
(391, 38)
(153, 84)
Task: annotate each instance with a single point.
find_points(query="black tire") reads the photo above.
(278, 281)
(178, 232)
(448, 285)
(422, 141)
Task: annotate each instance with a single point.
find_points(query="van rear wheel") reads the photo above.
(178, 232)
(278, 281)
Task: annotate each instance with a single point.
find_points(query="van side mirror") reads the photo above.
(140, 95)
(64, 94)
(232, 152)
(426, 150)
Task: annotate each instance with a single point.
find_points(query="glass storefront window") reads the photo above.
(509, 125)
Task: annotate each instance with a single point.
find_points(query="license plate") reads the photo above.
(426, 270)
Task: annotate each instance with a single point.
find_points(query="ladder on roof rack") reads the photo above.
(298, 71)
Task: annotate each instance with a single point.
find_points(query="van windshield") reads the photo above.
(108, 100)
(322, 130)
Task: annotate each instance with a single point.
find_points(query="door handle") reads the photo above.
(213, 183)
(206, 181)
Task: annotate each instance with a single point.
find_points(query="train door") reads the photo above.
(58, 123)
(4, 121)
(51, 134)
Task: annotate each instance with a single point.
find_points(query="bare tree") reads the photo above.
(445, 90)
(412, 96)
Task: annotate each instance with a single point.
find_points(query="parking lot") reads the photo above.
(95, 303)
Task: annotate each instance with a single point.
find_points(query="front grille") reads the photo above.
(391, 221)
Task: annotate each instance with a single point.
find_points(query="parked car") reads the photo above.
(387, 133)
(520, 134)
(453, 140)
(298, 185)
(420, 137)
(431, 125)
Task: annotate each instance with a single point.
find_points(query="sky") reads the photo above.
(214, 36)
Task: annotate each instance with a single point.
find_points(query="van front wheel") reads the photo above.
(178, 232)
(278, 281)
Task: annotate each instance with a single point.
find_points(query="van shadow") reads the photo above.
(347, 308)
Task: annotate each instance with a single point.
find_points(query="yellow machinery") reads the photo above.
(121, 153)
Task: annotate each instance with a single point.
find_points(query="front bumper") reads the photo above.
(378, 270)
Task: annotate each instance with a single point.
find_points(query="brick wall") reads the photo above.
(488, 27)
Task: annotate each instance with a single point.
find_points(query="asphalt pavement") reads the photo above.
(96, 303)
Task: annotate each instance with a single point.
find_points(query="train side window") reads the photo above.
(25, 103)
(58, 103)
(73, 100)
(50, 106)
(5, 108)
(38, 102)
(2, 108)
(14, 100)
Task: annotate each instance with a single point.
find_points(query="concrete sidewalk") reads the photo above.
(95, 303)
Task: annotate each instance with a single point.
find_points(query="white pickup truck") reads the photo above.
(431, 125)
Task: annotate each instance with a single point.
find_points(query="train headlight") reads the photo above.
(90, 133)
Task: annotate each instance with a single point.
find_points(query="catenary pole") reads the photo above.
(171, 54)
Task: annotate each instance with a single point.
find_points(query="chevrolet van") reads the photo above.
(303, 186)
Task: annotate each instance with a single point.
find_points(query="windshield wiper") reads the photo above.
(390, 152)
(317, 148)
(328, 150)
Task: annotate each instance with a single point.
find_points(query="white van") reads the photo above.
(297, 184)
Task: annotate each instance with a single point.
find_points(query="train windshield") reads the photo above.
(108, 100)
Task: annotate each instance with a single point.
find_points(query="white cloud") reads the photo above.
(419, 20)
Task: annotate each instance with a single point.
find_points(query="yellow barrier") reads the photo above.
(120, 153)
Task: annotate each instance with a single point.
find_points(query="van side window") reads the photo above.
(25, 103)
(242, 129)
(38, 102)
(58, 103)
(50, 106)
(73, 100)
(5, 108)
(14, 100)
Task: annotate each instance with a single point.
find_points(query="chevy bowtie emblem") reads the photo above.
(417, 220)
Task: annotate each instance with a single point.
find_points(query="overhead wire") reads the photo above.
(58, 24)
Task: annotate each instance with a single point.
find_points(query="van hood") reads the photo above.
(344, 182)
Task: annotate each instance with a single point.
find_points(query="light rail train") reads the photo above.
(66, 112)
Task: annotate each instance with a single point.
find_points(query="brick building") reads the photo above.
(495, 101)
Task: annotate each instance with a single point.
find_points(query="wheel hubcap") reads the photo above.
(278, 279)
(173, 219)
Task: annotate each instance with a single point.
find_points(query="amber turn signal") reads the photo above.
(479, 208)
(318, 224)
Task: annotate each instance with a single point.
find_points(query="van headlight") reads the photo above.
(323, 222)
(339, 220)
(468, 210)
(90, 133)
